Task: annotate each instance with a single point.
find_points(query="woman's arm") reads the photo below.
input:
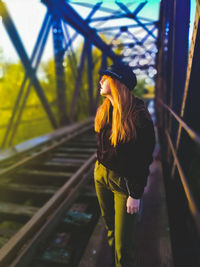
(138, 163)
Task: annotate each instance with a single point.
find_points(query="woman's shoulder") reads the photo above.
(139, 100)
(143, 114)
(140, 104)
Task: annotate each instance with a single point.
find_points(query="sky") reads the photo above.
(29, 14)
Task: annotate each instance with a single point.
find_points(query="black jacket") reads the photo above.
(131, 159)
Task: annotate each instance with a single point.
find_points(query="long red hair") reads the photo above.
(125, 113)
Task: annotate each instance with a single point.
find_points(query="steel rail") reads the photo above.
(10, 249)
(192, 205)
(194, 136)
(46, 149)
(22, 259)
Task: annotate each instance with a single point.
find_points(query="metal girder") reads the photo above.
(179, 58)
(80, 69)
(59, 69)
(70, 16)
(105, 9)
(70, 40)
(132, 44)
(131, 15)
(109, 10)
(127, 26)
(94, 9)
(147, 35)
(115, 37)
(90, 76)
(132, 36)
(14, 36)
(138, 42)
(64, 11)
(189, 68)
(119, 16)
(128, 14)
(123, 7)
(139, 8)
(78, 84)
(136, 11)
(68, 45)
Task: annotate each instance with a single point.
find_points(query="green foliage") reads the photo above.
(140, 88)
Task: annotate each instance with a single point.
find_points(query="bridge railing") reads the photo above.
(177, 110)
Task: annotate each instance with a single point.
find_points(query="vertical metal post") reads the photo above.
(159, 88)
(60, 73)
(68, 46)
(161, 82)
(90, 76)
(180, 51)
(170, 11)
(180, 58)
(78, 84)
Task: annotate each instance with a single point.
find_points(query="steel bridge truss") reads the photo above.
(137, 40)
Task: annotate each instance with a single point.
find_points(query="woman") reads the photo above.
(125, 143)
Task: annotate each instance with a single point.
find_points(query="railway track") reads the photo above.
(48, 205)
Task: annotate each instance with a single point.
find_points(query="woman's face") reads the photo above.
(105, 87)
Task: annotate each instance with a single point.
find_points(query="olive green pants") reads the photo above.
(121, 226)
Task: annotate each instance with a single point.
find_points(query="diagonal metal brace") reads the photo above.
(15, 38)
(133, 15)
(74, 19)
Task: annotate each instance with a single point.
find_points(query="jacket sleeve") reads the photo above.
(139, 159)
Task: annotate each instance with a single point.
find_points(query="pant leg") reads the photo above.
(112, 196)
(125, 223)
(106, 200)
(125, 227)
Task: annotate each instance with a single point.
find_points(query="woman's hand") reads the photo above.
(132, 205)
